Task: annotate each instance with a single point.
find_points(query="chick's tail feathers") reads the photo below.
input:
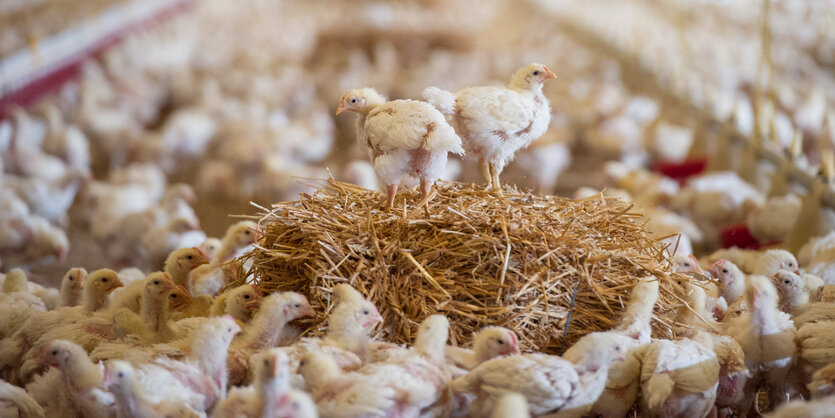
(27, 407)
(440, 137)
(658, 389)
(443, 100)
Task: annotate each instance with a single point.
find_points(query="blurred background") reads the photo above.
(133, 127)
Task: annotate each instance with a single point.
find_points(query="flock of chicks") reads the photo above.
(163, 345)
(129, 344)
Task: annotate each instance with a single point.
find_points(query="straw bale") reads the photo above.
(515, 261)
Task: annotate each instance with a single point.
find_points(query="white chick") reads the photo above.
(730, 277)
(240, 303)
(43, 243)
(767, 338)
(775, 220)
(488, 343)
(98, 286)
(418, 376)
(633, 332)
(199, 380)
(180, 263)
(272, 380)
(770, 262)
(74, 387)
(296, 404)
(130, 296)
(131, 401)
(495, 122)
(210, 247)
(550, 383)
(671, 142)
(347, 339)
(71, 287)
(209, 279)
(16, 303)
(679, 378)
(15, 402)
(188, 131)
(418, 147)
(791, 288)
(265, 329)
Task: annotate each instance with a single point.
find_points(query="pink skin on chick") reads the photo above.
(375, 316)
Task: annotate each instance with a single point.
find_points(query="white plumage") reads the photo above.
(402, 137)
(495, 122)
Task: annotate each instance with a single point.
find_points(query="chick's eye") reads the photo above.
(786, 281)
(296, 305)
(190, 257)
(54, 352)
(104, 280)
(500, 342)
(156, 281)
(686, 264)
(246, 296)
(365, 312)
(536, 73)
(120, 374)
(724, 270)
(353, 100)
(246, 232)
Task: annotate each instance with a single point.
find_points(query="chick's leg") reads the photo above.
(392, 192)
(485, 171)
(426, 187)
(497, 186)
(426, 191)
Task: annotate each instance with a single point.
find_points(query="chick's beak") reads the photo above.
(549, 74)
(108, 380)
(341, 107)
(253, 305)
(115, 284)
(275, 368)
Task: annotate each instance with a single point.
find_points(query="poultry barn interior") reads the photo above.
(417, 208)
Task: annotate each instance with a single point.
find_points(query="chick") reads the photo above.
(495, 122)
(679, 378)
(767, 338)
(488, 343)
(183, 261)
(550, 383)
(74, 387)
(241, 303)
(16, 401)
(131, 400)
(272, 380)
(402, 137)
(71, 285)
